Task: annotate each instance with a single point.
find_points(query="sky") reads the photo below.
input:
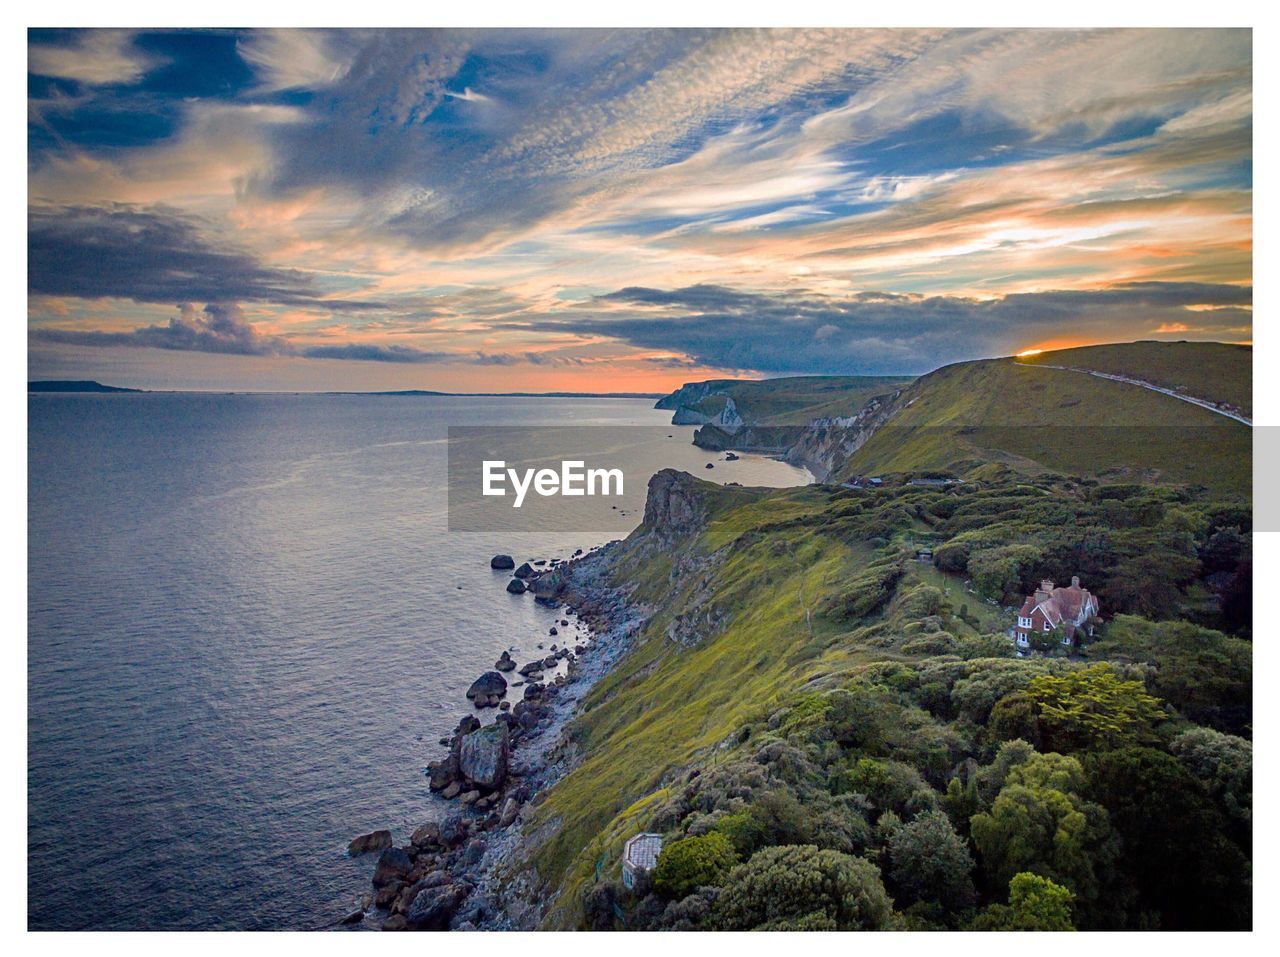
(624, 210)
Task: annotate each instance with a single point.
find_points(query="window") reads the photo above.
(1046, 626)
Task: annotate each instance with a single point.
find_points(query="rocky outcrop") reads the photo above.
(675, 506)
(826, 444)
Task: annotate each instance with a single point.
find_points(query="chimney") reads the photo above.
(1075, 581)
(1042, 593)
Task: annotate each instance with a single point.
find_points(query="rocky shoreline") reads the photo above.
(457, 874)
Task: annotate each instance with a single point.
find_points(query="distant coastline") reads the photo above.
(93, 386)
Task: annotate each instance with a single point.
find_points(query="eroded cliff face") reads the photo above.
(826, 444)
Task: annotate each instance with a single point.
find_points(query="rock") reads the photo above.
(452, 791)
(483, 756)
(386, 896)
(711, 465)
(474, 851)
(554, 630)
(468, 724)
(373, 841)
(533, 690)
(393, 865)
(530, 668)
(505, 706)
(517, 587)
(488, 684)
(564, 622)
(549, 662)
(440, 775)
(469, 797)
(502, 562)
(453, 831)
(525, 571)
(354, 917)
(465, 926)
(509, 812)
(433, 907)
(428, 833)
(505, 663)
(395, 922)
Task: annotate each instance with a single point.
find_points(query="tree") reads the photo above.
(693, 862)
(1177, 849)
(1034, 825)
(803, 888)
(744, 830)
(930, 862)
(1035, 903)
(1085, 710)
(1224, 765)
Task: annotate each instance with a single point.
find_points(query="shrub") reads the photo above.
(803, 888)
(693, 862)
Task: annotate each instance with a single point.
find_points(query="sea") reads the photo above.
(249, 625)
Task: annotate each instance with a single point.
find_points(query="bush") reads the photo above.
(693, 862)
(803, 888)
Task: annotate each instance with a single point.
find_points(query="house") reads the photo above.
(1058, 612)
(639, 857)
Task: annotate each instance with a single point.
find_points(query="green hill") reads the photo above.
(1214, 371)
(791, 400)
(1035, 418)
(801, 681)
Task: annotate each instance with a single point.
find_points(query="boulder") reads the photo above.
(525, 571)
(453, 831)
(474, 851)
(468, 724)
(428, 833)
(483, 755)
(373, 841)
(393, 865)
(395, 922)
(488, 684)
(554, 630)
(509, 812)
(502, 562)
(452, 791)
(433, 907)
(530, 668)
(386, 896)
(354, 917)
(517, 586)
(505, 663)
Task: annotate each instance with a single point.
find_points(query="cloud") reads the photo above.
(874, 332)
(152, 255)
(218, 328)
(95, 58)
(290, 59)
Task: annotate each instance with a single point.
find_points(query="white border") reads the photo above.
(1080, 13)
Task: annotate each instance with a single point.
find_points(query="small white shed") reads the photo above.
(639, 856)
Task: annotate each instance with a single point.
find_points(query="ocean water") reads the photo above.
(248, 627)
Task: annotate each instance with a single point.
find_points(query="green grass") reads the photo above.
(1215, 371)
(1037, 420)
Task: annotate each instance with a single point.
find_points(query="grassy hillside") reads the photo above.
(793, 400)
(1214, 371)
(1034, 420)
(786, 608)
